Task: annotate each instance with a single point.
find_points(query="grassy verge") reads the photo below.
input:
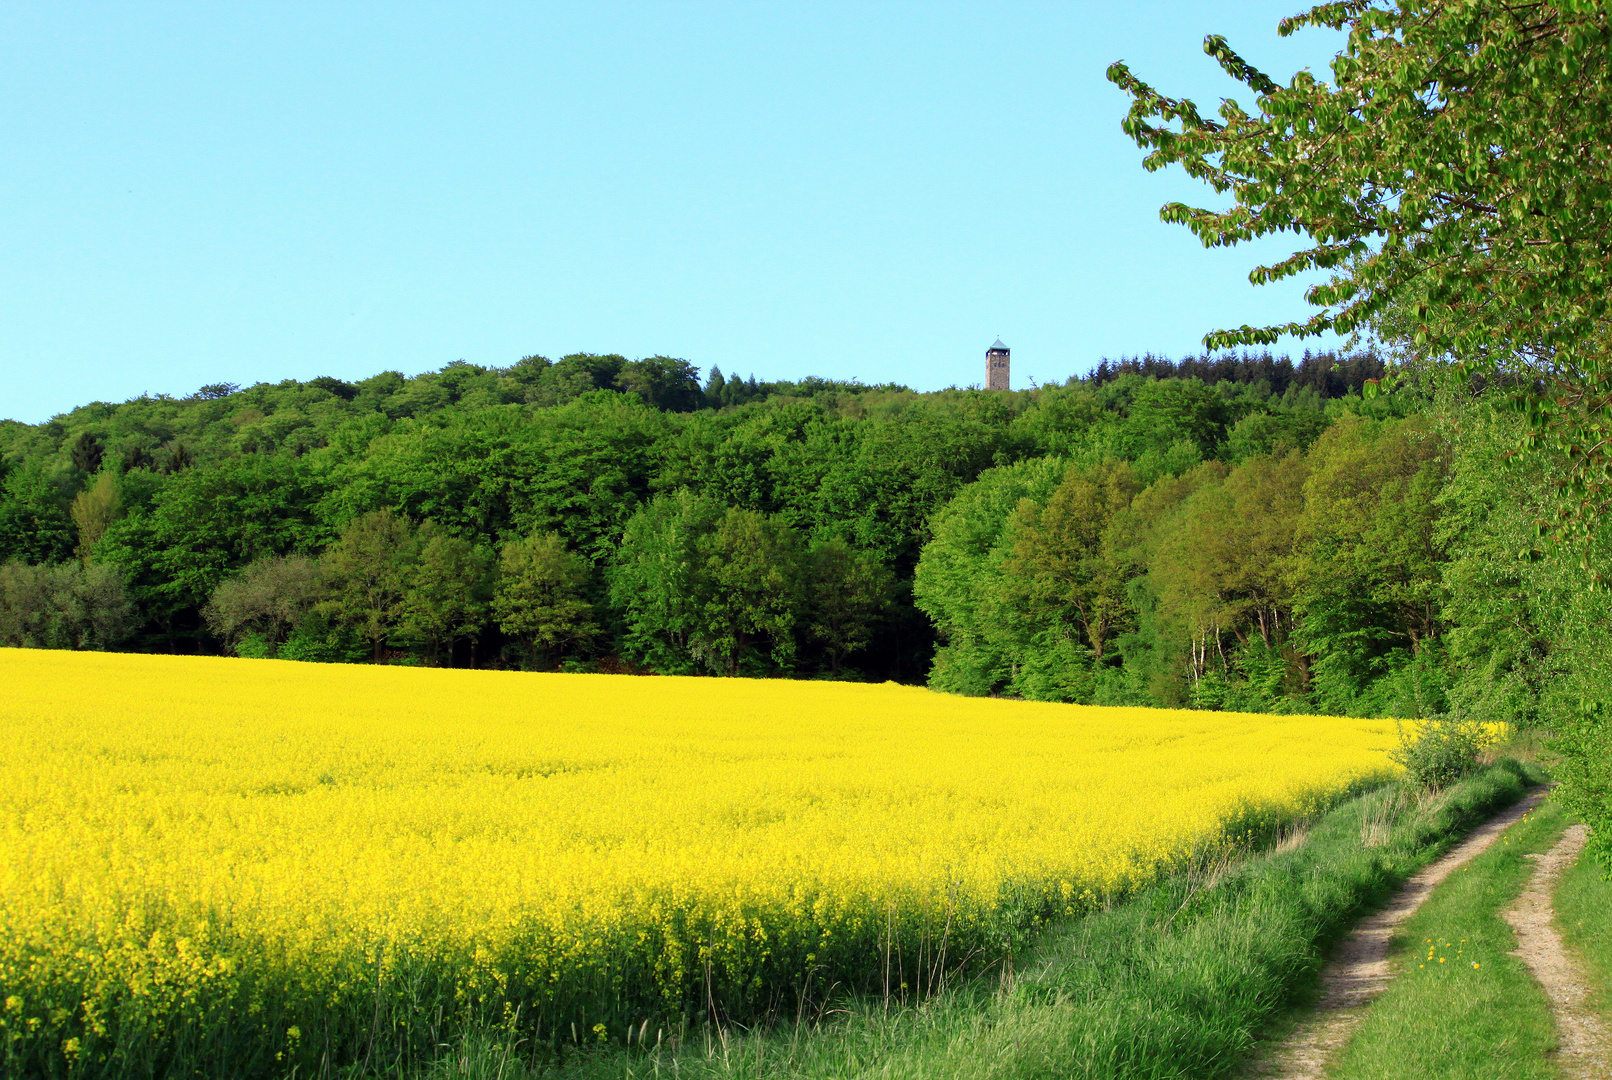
(1584, 915)
(1176, 982)
(1461, 1007)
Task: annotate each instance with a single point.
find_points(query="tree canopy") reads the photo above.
(1459, 157)
(1454, 177)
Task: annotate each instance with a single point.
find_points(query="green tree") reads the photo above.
(659, 583)
(267, 601)
(179, 457)
(753, 564)
(1228, 556)
(34, 522)
(1368, 579)
(1066, 420)
(849, 591)
(1163, 654)
(959, 582)
(1458, 156)
(1528, 644)
(1164, 412)
(1452, 176)
(569, 378)
(1274, 432)
(1063, 564)
(714, 384)
(1219, 569)
(661, 381)
(449, 590)
(63, 606)
(541, 597)
(881, 484)
(87, 453)
(580, 469)
(366, 575)
(94, 510)
(700, 586)
(180, 540)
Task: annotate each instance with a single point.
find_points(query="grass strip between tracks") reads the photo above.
(1178, 982)
(1460, 1006)
(1584, 916)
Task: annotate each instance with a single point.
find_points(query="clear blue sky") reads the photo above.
(199, 193)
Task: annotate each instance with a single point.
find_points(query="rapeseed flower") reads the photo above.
(208, 848)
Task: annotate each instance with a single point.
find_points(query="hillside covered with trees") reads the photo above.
(1226, 532)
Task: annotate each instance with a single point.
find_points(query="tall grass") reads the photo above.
(1178, 982)
(1584, 915)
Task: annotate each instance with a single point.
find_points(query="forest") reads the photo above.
(1227, 532)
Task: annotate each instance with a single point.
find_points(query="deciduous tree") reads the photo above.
(94, 510)
(1457, 169)
(1459, 154)
(34, 522)
(366, 575)
(1063, 562)
(659, 585)
(1368, 578)
(449, 590)
(203, 524)
(541, 598)
(269, 598)
(847, 592)
(63, 606)
(959, 583)
(753, 564)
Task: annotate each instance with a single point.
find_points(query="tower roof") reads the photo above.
(999, 346)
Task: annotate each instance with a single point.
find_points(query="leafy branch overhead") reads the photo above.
(1458, 161)
(1455, 176)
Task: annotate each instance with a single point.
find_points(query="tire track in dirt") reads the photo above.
(1358, 971)
(1585, 1052)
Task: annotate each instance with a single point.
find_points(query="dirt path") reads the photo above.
(1585, 1051)
(1358, 972)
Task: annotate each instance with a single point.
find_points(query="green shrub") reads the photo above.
(1586, 776)
(1437, 752)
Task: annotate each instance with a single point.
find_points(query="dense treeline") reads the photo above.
(1387, 562)
(1328, 375)
(1294, 579)
(1155, 533)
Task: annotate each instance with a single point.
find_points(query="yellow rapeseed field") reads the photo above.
(264, 862)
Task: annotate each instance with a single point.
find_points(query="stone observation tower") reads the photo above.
(996, 367)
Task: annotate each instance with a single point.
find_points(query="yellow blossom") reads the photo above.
(180, 833)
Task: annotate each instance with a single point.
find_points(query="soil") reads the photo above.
(1358, 972)
(1585, 1051)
